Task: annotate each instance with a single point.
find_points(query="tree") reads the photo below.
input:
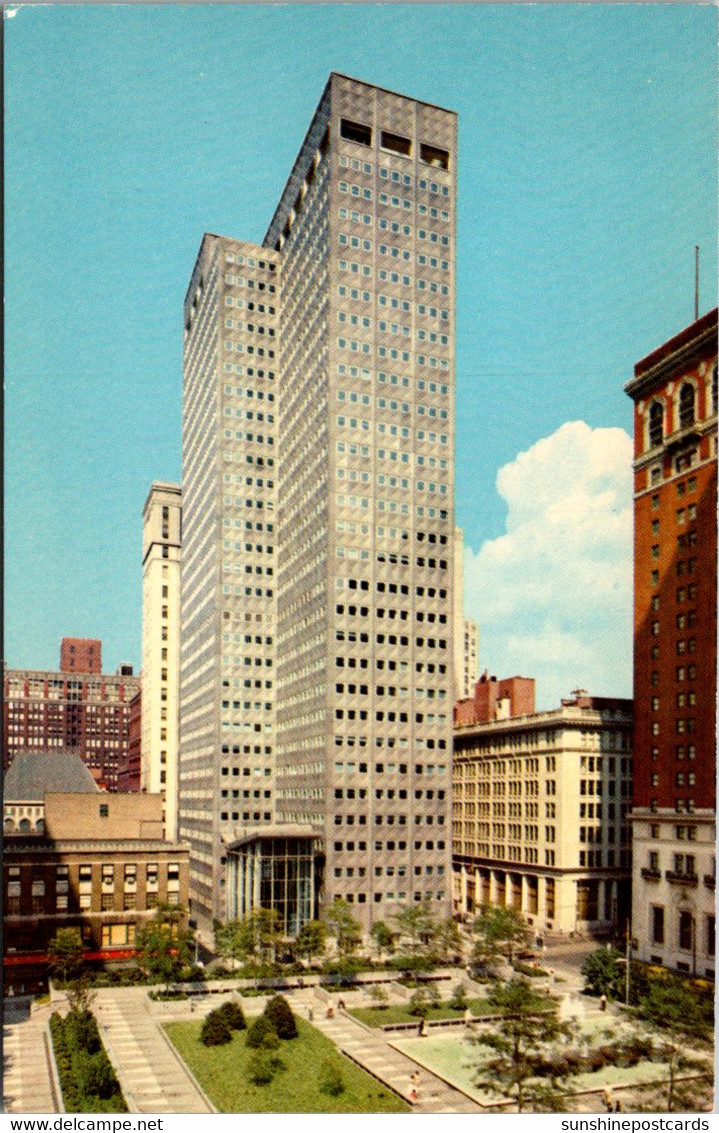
(604, 974)
(310, 940)
(342, 925)
(215, 1031)
(424, 999)
(525, 1023)
(80, 996)
(261, 1033)
(383, 937)
(378, 994)
(233, 1015)
(66, 954)
(164, 946)
(231, 940)
(255, 937)
(499, 930)
(672, 1008)
(279, 1013)
(416, 922)
(448, 937)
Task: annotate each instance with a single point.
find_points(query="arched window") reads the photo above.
(24, 825)
(656, 424)
(687, 395)
(9, 825)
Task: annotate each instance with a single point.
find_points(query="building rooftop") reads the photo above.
(32, 773)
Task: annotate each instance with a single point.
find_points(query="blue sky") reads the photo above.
(586, 177)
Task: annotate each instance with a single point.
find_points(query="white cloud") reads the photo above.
(553, 596)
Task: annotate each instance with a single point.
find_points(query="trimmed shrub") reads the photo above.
(331, 1080)
(261, 1067)
(459, 998)
(83, 1031)
(87, 1079)
(233, 1015)
(261, 1033)
(279, 1013)
(215, 1031)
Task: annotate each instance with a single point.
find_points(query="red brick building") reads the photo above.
(80, 655)
(675, 631)
(496, 700)
(70, 711)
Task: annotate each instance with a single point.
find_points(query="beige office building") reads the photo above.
(362, 245)
(541, 807)
(161, 554)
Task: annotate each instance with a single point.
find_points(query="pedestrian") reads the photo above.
(423, 1029)
(608, 1099)
(310, 1014)
(340, 1004)
(603, 1003)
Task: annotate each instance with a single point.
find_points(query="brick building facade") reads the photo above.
(675, 631)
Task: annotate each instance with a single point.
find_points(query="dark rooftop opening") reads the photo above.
(431, 155)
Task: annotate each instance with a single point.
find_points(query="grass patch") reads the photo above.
(399, 1013)
(224, 1074)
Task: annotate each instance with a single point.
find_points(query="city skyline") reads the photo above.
(570, 189)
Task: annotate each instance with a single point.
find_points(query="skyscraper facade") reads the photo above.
(161, 546)
(362, 244)
(227, 660)
(674, 391)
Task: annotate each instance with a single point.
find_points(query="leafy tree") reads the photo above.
(459, 999)
(526, 1022)
(416, 922)
(342, 925)
(255, 937)
(279, 1013)
(164, 946)
(604, 974)
(448, 937)
(678, 1013)
(66, 954)
(310, 940)
(80, 996)
(378, 994)
(383, 937)
(424, 999)
(231, 940)
(499, 930)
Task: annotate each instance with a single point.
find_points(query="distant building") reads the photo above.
(80, 655)
(87, 713)
(79, 858)
(674, 391)
(161, 553)
(129, 765)
(541, 807)
(491, 700)
(465, 633)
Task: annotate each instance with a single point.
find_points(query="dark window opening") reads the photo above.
(355, 132)
(431, 155)
(686, 405)
(656, 425)
(396, 143)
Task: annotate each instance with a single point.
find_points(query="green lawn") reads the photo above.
(399, 1013)
(222, 1073)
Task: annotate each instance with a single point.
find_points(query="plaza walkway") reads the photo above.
(28, 1085)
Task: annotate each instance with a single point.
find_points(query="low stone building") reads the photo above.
(88, 860)
(541, 804)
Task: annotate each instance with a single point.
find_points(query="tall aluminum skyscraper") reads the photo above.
(362, 246)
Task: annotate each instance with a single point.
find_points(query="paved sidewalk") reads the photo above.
(370, 1049)
(153, 1078)
(27, 1079)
